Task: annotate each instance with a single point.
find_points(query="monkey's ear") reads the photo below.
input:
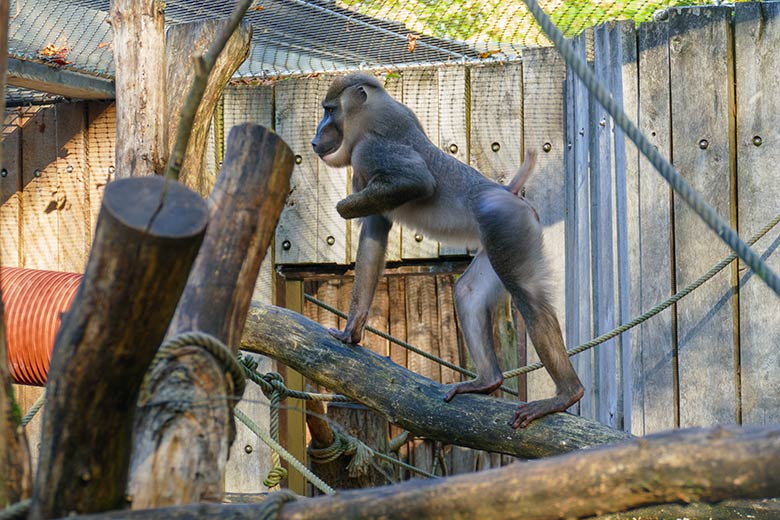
(361, 93)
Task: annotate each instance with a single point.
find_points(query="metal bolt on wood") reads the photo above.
(495, 147)
(704, 144)
(757, 140)
(331, 240)
(3, 173)
(286, 245)
(298, 159)
(546, 147)
(453, 148)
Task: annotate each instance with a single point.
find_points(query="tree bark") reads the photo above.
(409, 400)
(184, 42)
(675, 467)
(140, 86)
(147, 236)
(16, 479)
(180, 451)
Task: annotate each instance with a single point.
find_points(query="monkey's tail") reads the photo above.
(522, 175)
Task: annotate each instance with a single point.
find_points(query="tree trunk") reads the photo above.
(184, 42)
(140, 86)
(408, 399)
(147, 236)
(16, 479)
(180, 451)
(675, 467)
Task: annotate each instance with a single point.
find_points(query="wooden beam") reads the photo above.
(59, 81)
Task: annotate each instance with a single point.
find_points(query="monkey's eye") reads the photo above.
(329, 110)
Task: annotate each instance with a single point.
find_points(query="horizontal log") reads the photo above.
(675, 467)
(409, 400)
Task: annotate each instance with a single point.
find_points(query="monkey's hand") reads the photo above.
(349, 337)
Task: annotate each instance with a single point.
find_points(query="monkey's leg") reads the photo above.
(369, 264)
(513, 242)
(476, 292)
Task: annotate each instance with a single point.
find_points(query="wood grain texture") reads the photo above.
(757, 32)
(701, 143)
(10, 190)
(141, 96)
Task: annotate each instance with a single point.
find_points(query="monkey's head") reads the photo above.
(349, 111)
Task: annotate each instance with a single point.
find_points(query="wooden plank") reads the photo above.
(453, 125)
(255, 104)
(297, 112)
(700, 41)
(757, 34)
(544, 75)
(40, 235)
(100, 147)
(250, 459)
(72, 190)
(421, 94)
(448, 326)
(602, 264)
(578, 296)
(653, 360)
(623, 80)
(421, 324)
(496, 139)
(10, 193)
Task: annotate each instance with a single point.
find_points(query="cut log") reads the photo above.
(184, 42)
(148, 234)
(409, 400)
(140, 86)
(675, 467)
(16, 479)
(181, 449)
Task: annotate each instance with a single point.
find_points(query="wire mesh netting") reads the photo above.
(305, 36)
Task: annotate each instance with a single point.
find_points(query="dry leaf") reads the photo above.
(257, 8)
(54, 54)
(411, 41)
(103, 45)
(487, 54)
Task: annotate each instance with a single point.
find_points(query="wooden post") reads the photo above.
(140, 86)
(180, 453)
(183, 42)
(147, 237)
(16, 480)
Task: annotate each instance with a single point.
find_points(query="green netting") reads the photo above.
(306, 36)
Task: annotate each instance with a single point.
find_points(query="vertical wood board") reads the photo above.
(10, 204)
(700, 41)
(757, 37)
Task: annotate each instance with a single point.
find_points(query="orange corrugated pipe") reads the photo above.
(33, 302)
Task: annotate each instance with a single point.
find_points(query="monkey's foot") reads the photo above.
(527, 412)
(475, 386)
(344, 336)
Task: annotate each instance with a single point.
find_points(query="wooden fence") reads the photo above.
(700, 84)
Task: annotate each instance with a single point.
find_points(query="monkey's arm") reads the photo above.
(386, 175)
(369, 265)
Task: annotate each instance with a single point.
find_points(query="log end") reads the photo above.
(156, 206)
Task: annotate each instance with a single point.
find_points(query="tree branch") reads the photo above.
(408, 399)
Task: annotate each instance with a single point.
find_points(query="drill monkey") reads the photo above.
(399, 176)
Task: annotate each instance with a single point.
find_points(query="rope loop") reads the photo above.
(273, 503)
(344, 444)
(214, 346)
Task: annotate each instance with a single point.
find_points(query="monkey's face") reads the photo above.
(333, 142)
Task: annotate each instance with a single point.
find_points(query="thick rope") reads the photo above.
(286, 455)
(218, 350)
(646, 148)
(272, 505)
(344, 444)
(16, 511)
